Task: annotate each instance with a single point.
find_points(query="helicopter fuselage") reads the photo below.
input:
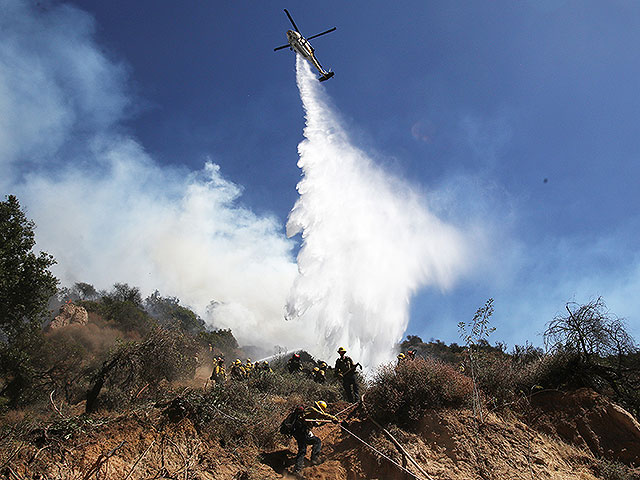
(300, 44)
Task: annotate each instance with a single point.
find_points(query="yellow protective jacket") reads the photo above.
(314, 417)
(238, 372)
(218, 374)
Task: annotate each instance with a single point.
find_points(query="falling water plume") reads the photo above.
(369, 242)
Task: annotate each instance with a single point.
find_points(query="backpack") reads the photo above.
(292, 423)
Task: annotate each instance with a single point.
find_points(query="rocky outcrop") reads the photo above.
(70, 314)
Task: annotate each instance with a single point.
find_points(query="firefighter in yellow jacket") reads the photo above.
(218, 375)
(345, 370)
(310, 417)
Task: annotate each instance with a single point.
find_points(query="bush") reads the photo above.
(402, 394)
(496, 375)
(126, 315)
(122, 309)
(249, 412)
(560, 369)
(285, 384)
(169, 313)
(612, 470)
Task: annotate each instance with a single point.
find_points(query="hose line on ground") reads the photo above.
(382, 454)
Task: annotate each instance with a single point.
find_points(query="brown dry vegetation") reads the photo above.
(151, 423)
(125, 396)
(230, 432)
(158, 417)
(449, 444)
(154, 415)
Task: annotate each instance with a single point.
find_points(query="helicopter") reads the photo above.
(301, 45)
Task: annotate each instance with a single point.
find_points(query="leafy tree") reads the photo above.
(221, 339)
(85, 291)
(122, 292)
(26, 284)
(80, 292)
(123, 307)
(169, 312)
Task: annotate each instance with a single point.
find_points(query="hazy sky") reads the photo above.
(517, 122)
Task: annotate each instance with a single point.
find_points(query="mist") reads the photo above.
(369, 240)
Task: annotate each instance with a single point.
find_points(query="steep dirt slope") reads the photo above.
(134, 448)
(447, 444)
(568, 434)
(452, 446)
(589, 420)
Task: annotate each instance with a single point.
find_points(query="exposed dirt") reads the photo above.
(588, 420)
(567, 433)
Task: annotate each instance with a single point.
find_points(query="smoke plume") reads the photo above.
(368, 240)
(104, 208)
(108, 212)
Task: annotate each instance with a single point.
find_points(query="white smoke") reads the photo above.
(104, 208)
(109, 213)
(369, 240)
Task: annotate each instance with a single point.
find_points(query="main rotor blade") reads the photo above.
(323, 33)
(292, 22)
(280, 48)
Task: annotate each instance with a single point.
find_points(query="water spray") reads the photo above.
(369, 242)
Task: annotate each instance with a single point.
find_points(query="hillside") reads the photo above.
(108, 385)
(122, 391)
(156, 414)
(450, 444)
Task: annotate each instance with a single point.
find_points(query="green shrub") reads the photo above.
(284, 384)
(496, 375)
(126, 315)
(402, 394)
(219, 340)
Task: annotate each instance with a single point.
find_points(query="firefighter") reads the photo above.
(345, 369)
(318, 375)
(294, 365)
(322, 365)
(263, 367)
(237, 370)
(309, 417)
(218, 375)
(248, 368)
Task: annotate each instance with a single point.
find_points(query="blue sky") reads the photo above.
(475, 104)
